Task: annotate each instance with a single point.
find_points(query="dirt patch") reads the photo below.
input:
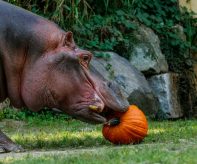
(51, 152)
(10, 123)
(184, 144)
(39, 153)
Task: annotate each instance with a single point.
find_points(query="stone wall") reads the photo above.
(145, 79)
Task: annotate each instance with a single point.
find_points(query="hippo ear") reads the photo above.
(69, 41)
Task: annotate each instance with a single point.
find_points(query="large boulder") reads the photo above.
(165, 88)
(115, 68)
(146, 54)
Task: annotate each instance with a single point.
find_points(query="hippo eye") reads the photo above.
(85, 60)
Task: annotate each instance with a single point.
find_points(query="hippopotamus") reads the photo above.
(41, 66)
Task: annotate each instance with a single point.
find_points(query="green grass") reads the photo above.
(43, 134)
(161, 153)
(167, 142)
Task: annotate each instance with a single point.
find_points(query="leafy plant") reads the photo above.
(1, 115)
(163, 17)
(63, 12)
(25, 114)
(103, 55)
(106, 33)
(108, 24)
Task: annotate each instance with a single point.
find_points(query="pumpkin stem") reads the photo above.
(113, 122)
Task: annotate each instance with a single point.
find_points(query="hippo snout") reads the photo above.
(98, 104)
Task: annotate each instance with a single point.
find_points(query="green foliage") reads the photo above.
(26, 114)
(63, 12)
(103, 55)
(106, 33)
(163, 17)
(108, 24)
(1, 115)
(113, 30)
(39, 134)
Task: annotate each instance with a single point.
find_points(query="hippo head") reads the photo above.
(61, 79)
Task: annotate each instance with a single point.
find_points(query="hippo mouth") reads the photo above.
(90, 116)
(102, 99)
(90, 113)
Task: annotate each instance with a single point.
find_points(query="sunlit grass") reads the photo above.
(47, 134)
(40, 134)
(166, 142)
(171, 131)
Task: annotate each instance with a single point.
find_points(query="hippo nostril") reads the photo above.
(109, 84)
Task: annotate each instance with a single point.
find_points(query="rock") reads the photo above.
(192, 78)
(132, 82)
(165, 88)
(146, 54)
(195, 72)
(185, 94)
(195, 79)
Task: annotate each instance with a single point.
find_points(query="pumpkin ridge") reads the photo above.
(141, 132)
(134, 124)
(130, 117)
(142, 125)
(118, 138)
(135, 127)
(133, 135)
(134, 121)
(123, 136)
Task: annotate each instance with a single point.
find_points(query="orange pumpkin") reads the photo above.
(126, 128)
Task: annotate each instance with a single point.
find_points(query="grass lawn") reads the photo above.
(167, 142)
